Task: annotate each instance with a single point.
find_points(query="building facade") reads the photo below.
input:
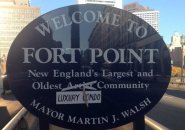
(176, 50)
(114, 3)
(14, 16)
(150, 16)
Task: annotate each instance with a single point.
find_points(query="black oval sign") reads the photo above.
(88, 66)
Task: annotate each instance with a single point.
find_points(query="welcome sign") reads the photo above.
(88, 66)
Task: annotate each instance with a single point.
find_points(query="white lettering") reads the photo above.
(57, 55)
(44, 28)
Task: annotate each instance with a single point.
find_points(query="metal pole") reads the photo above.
(43, 124)
(14, 121)
(154, 125)
(182, 63)
(139, 124)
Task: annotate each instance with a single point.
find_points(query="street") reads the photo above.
(176, 93)
(170, 111)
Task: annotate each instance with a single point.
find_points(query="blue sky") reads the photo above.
(172, 13)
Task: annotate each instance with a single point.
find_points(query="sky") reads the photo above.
(172, 13)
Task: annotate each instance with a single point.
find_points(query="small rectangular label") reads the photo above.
(78, 97)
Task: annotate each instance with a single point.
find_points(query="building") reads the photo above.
(114, 3)
(135, 7)
(175, 41)
(150, 16)
(175, 49)
(14, 16)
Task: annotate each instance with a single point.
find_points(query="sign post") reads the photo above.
(139, 124)
(89, 67)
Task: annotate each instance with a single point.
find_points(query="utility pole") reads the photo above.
(182, 64)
